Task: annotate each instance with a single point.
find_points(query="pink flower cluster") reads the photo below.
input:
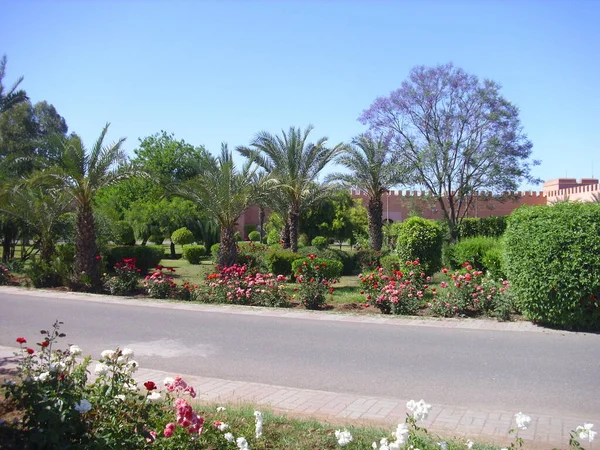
(186, 418)
(179, 386)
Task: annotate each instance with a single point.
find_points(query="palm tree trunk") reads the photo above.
(285, 234)
(228, 248)
(86, 251)
(375, 213)
(294, 221)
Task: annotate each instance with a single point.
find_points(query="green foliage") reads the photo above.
(273, 237)
(329, 269)
(214, 251)
(368, 259)
(56, 272)
(421, 239)
(390, 263)
(486, 226)
(194, 253)
(42, 274)
(493, 261)
(157, 239)
(320, 242)
(123, 233)
(347, 259)
(396, 293)
(125, 278)
(249, 228)
(251, 254)
(279, 261)
(146, 256)
(254, 236)
(182, 236)
(553, 263)
(303, 240)
(5, 275)
(237, 236)
(472, 250)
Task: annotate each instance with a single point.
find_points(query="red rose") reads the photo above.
(150, 385)
(45, 344)
(21, 340)
(30, 351)
(98, 257)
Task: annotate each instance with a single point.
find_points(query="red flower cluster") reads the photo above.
(150, 385)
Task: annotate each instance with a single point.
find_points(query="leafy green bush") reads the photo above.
(273, 237)
(249, 228)
(347, 259)
(251, 254)
(193, 253)
(42, 274)
(254, 236)
(237, 236)
(320, 242)
(303, 240)
(125, 278)
(485, 226)
(146, 256)
(473, 250)
(122, 233)
(368, 259)
(279, 261)
(493, 261)
(182, 236)
(58, 272)
(390, 263)
(553, 263)
(330, 269)
(421, 239)
(214, 251)
(157, 239)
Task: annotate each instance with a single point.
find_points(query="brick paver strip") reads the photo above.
(484, 425)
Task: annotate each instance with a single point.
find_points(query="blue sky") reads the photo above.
(220, 71)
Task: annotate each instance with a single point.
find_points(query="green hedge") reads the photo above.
(348, 260)
(421, 239)
(472, 250)
(331, 271)
(254, 236)
(147, 256)
(279, 261)
(553, 263)
(485, 226)
(214, 251)
(193, 253)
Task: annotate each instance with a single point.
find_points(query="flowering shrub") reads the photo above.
(398, 293)
(251, 254)
(467, 291)
(235, 285)
(5, 275)
(315, 280)
(160, 284)
(125, 279)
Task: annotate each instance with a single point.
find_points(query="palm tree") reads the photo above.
(40, 207)
(373, 171)
(13, 96)
(225, 193)
(294, 164)
(81, 174)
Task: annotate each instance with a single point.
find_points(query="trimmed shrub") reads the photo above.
(122, 233)
(249, 228)
(390, 263)
(193, 253)
(485, 226)
(347, 259)
(421, 240)
(214, 251)
(279, 261)
(368, 259)
(254, 236)
(553, 263)
(273, 237)
(146, 256)
(320, 242)
(493, 261)
(332, 269)
(472, 250)
(182, 236)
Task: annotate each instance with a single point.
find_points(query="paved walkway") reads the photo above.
(483, 425)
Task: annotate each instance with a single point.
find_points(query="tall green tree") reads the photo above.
(294, 164)
(374, 171)
(13, 96)
(224, 192)
(81, 173)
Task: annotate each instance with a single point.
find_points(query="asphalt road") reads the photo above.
(544, 373)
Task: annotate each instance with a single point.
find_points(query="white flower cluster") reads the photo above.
(343, 437)
(585, 431)
(400, 438)
(259, 424)
(419, 409)
(523, 421)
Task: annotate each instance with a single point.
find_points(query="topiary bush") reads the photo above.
(146, 256)
(194, 253)
(421, 239)
(472, 250)
(182, 236)
(331, 270)
(122, 233)
(553, 263)
(279, 261)
(214, 251)
(254, 236)
(320, 242)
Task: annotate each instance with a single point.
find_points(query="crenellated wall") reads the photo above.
(400, 204)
